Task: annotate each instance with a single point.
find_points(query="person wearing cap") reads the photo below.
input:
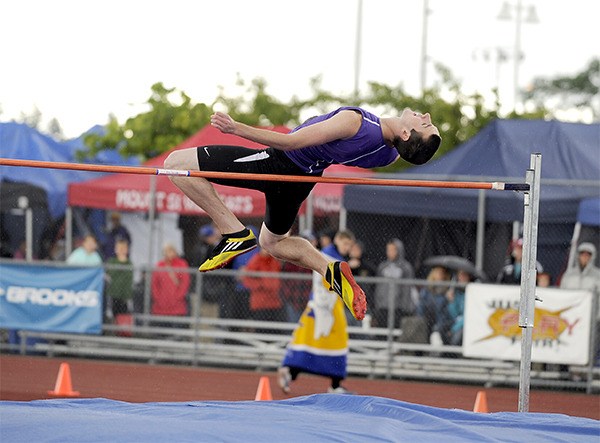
(584, 274)
(510, 274)
(116, 231)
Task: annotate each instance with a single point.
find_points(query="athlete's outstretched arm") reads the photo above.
(342, 125)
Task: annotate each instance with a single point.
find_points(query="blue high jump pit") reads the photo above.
(315, 418)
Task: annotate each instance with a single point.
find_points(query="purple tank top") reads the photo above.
(366, 149)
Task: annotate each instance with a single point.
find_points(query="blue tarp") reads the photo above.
(19, 141)
(315, 418)
(502, 149)
(589, 212)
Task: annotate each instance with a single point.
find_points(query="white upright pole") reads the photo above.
(151, 217)
(343, 225)
(480, 240)
(29, 234)
(528, 276)
(68, 231)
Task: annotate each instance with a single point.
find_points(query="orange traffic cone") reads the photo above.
(63, 386)
(263, 393)
(481, 402)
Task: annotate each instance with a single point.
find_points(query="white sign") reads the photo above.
(561, 332)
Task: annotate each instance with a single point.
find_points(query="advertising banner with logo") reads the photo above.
(40, 298)
(561, 332)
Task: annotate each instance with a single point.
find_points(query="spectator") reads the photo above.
(265, 304)
(456, 308)
(544, 280)
(319, 344)
(397, 267)
(584, 274)
(510, 274)
(433, 306)
(170, 284)
(295, 293)
(325, 239)
(21, 252)
(119, 287)
(116, 231)
(86, 254)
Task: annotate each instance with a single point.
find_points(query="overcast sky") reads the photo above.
(79, 61)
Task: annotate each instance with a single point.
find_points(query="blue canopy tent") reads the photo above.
(499, 152)
(20, 141)
(23, 142)
(589, 212)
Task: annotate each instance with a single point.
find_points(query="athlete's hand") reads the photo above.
(223, 122)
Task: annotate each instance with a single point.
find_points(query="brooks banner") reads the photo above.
(49, 299)
(561, 331)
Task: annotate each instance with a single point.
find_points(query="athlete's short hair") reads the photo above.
(416, 150)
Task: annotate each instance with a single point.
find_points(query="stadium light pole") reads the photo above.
(506, 13)
(423, 76)
(357, 48)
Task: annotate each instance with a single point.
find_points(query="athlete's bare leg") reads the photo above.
(201, 191)
(293, 249)
(283, 247)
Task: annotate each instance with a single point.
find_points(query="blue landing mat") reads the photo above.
(315, 418)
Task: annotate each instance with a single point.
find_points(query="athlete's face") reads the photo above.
(419, 122)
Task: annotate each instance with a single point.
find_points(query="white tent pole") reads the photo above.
(310, 212)
(479, 241)
(301, 223)
(68, 231)
(528, 276)
(151, 216)
(343, 223)
(29, 234)
(573, 248)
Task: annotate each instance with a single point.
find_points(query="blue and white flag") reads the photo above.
(48, 299)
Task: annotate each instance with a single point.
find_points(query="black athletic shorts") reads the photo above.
(283, 199)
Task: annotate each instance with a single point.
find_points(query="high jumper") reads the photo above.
(349, 135)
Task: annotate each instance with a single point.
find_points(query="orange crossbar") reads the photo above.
(266, 177)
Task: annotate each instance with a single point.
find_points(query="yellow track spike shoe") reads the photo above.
(340, 280)
(230, 246)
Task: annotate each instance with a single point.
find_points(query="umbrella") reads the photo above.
(455, 263)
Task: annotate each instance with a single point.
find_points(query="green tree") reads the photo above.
(172, 118)
(580, 91)
(167, 123)
(256, 107)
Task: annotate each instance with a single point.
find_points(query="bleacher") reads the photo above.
(232, 343)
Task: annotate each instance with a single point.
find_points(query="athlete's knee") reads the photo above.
(268, 241)
(182, 159)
